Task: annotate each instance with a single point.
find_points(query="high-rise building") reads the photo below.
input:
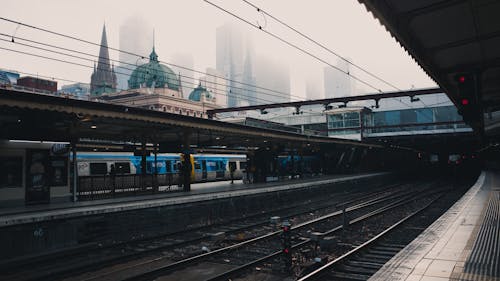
(337, 83)
(181, 65)
(272, 75)
(248, 96)
(229, 59)
(215, 83)
(136, 37)
(313, 91)
(103, 79)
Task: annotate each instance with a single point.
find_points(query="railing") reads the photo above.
(106, 186)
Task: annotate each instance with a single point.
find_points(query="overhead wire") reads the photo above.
(88, 66)
(142, 56)
(293, 45)
(259, 9)
(113, 60)
(302, 49)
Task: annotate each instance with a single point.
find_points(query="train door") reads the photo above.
(204, 175)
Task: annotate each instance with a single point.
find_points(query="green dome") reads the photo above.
(153, 74)
(198, 92)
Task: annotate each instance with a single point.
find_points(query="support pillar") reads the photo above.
(143, 165)
(187, 166)
(156, 186)
(75, 171)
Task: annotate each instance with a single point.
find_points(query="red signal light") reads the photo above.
(461, 79)
(465, 101)
(286, 251)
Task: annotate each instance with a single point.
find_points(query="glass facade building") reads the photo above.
(360, 123)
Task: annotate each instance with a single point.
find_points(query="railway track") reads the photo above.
(361, 262)
(92, 257)
(238, 254)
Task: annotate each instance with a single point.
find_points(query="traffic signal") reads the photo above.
(286, 240)
(468, 97)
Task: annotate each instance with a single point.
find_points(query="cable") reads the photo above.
(140, 56)
(121, 62)
(293, 46)
(87, 66)
(320, 45)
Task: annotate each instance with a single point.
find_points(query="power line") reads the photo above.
(293, 46)
(125, 68)
(142, 56)
(321, 45)
(87, 66)
(113, 60)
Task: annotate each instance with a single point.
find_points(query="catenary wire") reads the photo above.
(88, 66)
(293, 46)
(114, 60)
(322, 45)
(138, 55)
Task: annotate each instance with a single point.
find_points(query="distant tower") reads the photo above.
(103, 79)
(249, 93)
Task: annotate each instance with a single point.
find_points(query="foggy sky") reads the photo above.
(188, 26)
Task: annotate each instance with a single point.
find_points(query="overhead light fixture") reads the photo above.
(93, 127)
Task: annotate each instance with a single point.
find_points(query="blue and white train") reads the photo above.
(206, 167)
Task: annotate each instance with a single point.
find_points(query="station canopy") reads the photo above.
(27, 116)
(450, 38)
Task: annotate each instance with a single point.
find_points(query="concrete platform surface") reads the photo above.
(442, 250)
(199, 192)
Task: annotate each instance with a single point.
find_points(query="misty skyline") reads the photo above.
(190, 27)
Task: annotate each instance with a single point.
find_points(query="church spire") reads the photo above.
(103, 80)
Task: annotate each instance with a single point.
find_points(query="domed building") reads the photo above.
(153, 75)
(155, 86)
(201, 94)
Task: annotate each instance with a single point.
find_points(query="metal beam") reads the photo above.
(298, 104)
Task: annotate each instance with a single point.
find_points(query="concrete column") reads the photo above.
(187, 167)
(143, 165)
(75, 171)
(156, 186)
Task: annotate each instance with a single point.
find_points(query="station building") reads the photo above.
(155, 86)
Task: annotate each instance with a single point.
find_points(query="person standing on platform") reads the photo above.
(112, 175)
(232, 168)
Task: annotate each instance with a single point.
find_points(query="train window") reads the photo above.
(98, 168)
(197, 165)
(12, 171)
(243, 165)
(122, 167)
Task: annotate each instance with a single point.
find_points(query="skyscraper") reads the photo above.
(136, 37)
(249, 96)
(338, 84)
(103, 79)
(273, 75)
(215, 84)
(229, 59)
(313, 91)
(185, 62)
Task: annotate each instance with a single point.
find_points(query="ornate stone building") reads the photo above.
(155, 86)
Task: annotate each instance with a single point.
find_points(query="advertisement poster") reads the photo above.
(59, 165)
(37, 176)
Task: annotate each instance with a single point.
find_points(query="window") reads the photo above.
(12, 171)
(197, 165)
(98, 168)
(122, 167)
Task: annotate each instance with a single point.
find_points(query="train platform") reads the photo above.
(463, 244)
(199, 192)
